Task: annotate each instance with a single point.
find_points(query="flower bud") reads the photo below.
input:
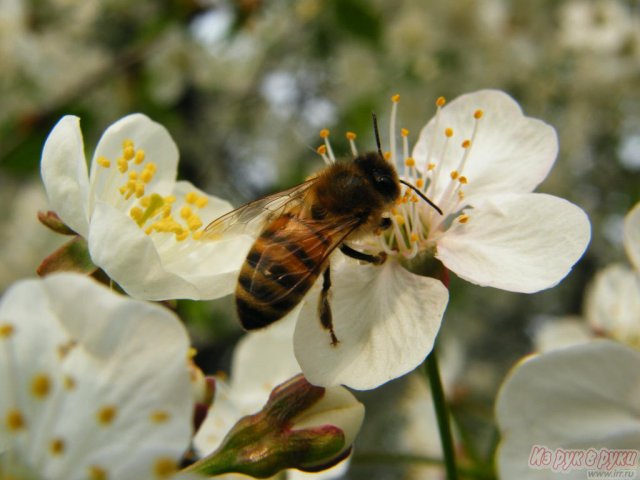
(73, 256)
(51, 220)
(301, 426)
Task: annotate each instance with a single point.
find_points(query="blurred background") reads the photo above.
(245, 86)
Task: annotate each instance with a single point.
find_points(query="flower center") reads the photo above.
(152, 212)
(415, 225)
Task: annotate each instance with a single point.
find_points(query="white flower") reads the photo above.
(261, 361)
(479, 160)
(580, 397)
(143, 227)
(94, 384)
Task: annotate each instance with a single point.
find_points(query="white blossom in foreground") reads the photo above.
(95, 385)
(143, 227)
(478, 159)
(261, 361)
(582, 398)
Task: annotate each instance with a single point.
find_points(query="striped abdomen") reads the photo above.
(281, 267)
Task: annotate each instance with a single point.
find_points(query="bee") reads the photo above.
(302, 227)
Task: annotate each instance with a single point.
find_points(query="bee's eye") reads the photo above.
(385, 184)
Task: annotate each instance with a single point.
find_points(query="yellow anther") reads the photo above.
(404, 132)
(420, 183)
(414, 237)
(431, 166)
(6, 330)
(127, 143)
(123, 190)
(478, 114)
(182, 235)
(322, 149)
(14, 420)
(395, 98)
(351, 136)
(164, 468)
(139, 157)
(106, 415)
(202, 202)
(165, 211)
(441, 101)
(153, 204)
(448, 132)
(159, 416)
(128, 153)
(194, 222)
(95, 472)
(399, 219)
(197, 235)
(186, 212)
(191, 197)
(40, 385)
(133, 175)
(56, 447)
(464, 218)
(387, 155)
(131, 185)
(170, 198)
(136, 214)
(139, 189)
(152, 167)
(466, 144)
(460, 194)
(144, 201)
(146, 175)
(123, 166)
(454, 174)
(414, 199)
(462, 180)
(103, 162)
(324, 133)
(410, 162)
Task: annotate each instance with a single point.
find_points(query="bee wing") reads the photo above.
(257, 212)
(296, 255)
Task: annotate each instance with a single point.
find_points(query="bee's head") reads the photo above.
(380, 173)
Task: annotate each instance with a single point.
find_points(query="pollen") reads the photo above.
(136, 213)
(324, 133)
(431, 166)
(104, 162)
(95, 472)
(464, 218)
(139, 157)
(454, 174)
(164, 467)
(410, 162)
(40, 385)
(186, 212)
(322, 149)
(399, 219)
(351, 136)
(478, 114)
(123, 166)
(463, 180)
(106, 415)
(420, 183)
(159, 416)
(57, 446)
(6, 330)
(441, 101)
(448, 132)
(128, 152)
(14, 420)
(194, 222)
(387, 155)
(414, 237)
(395, 98)
(404, 132)
(466, 144)
(127, 143)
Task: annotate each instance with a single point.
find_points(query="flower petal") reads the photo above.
(612, 304)
(521, 243)
(580, 397)
(117, 396)
(130, 257)
(385, 318)
(64, 172)
(147, 136)
(632, 236)
(510, 153)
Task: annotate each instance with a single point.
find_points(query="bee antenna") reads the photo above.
(377, 133)
(422, 195)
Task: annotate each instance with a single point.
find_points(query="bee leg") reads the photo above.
(324, 309)
(365, 257)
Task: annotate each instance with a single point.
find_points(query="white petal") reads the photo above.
(147, 135)
(561, 333)
(64, 173)
(131, 258)
(511, 152)
(579, 397)
(385, 318)
(521, 243)
(632, 236)
(122, 354)
(221, 417)
(612, 304)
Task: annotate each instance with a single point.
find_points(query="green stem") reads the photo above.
(442, 414)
